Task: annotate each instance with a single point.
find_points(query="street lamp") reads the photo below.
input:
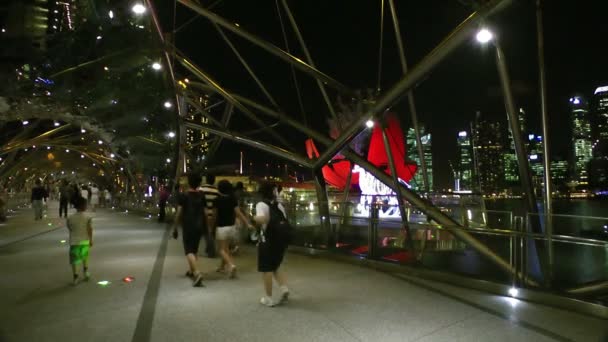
(369, 124)
(157, 66)
(168, 104)
(138, 9)
(484, 35)
(171, 134)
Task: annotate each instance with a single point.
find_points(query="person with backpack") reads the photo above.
(191, 213)
(273, 241)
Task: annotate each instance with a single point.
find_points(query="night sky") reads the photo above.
(343, 38)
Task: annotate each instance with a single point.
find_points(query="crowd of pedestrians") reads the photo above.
(212, 213)
(203, 211)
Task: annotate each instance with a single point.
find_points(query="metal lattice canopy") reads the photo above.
(92, 104)
(100, 78)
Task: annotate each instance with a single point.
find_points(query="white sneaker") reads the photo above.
(267, 301)
(284, 295)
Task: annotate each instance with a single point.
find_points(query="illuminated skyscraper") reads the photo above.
(465, 166)
(600, 121)
(559, 173)
(581, 139)
(488, 152)
(412, 153)
(197, 140)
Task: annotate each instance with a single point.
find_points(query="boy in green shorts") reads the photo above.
(81, 239)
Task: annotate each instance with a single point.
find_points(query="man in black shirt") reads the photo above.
(38, 194)
(191, 214)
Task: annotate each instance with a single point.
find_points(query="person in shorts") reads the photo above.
(227, 212)
(191, 214)
(270, 252)
(81, 239)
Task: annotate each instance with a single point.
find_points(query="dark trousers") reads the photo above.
(63, 207)
(161, 211)
(209, 244)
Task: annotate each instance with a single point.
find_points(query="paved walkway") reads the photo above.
(331, 301)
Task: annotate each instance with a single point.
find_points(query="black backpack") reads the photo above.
(278, 229)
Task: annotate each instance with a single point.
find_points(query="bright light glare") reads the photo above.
(484, 36)
(56, 124)
(156, 66)
(513, 292)
(138, 9)
(369, 124)
(25, 123)
(99, 142)
(168, 160)
(168, 104)
(111, 155)
(171, 134)
(99, 37)
(111, 15)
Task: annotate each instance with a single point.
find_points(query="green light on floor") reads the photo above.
(62, 241)
(103, 283)
(50, 224)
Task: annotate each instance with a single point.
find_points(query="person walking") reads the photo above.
(163, 196)
(80, 227)
(271, 246)
(38, 195)
(193, 218)
(211, 193)
(64, 198)
(94, 197)
(227, 212)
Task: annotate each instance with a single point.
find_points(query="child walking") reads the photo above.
(81, 239)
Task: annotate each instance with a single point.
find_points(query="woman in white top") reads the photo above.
(270, 253)
(94, 197)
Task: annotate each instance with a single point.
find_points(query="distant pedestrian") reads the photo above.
(64, 198)
(80, 226)
(191, 214)
(270, 215)
(38, 195)
(211, 193)
(94, 199)
(163, 197)
(108, 197)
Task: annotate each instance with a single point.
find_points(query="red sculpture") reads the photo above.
(338, 168)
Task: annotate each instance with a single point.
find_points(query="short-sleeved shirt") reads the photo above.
(262, 209)
(225, 210)
(77, 225)
(192, 203)
(211, 193)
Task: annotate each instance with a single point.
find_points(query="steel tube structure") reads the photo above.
(512, 115)
(180, 134)
(296, 29)
(463, 32)
(219, 89)
(277, 151)
(323, 204)
(298, 63)
(546, 139)
(225, 121)
(246, 65)
(391, 164)
(445, 221)
(410, 97)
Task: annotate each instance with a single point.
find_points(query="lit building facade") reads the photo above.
(488, 152)
(465, 165)
(412, 154)
(197, 140)
(559, 173)
(600, 121)
(598, 166)
(510, 158)
(581, 139)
